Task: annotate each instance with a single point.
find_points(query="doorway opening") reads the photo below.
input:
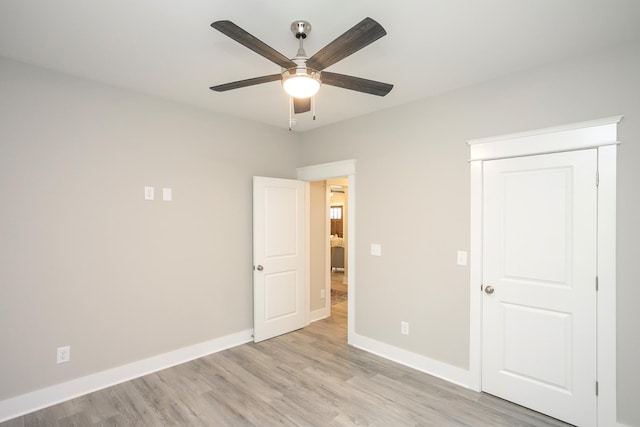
(338, 242)
(320, 178)
(328, 248)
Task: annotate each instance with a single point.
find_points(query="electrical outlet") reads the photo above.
(404, 328)
(63, 354)
(322, 293)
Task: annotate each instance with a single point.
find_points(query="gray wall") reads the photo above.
(413, 198)
(84, 260)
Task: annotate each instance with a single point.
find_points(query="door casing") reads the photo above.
(600, 134)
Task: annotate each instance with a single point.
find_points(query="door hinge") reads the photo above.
(597, 284)
(596, 388)
(597, 178)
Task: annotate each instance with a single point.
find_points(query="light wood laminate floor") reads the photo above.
(309, 377)
(338, 282)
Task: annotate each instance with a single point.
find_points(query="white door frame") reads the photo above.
(600, 134)
(341, 169)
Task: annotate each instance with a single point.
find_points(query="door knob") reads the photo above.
(259, 268)
(489, 289)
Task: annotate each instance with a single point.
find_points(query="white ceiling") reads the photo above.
(167, 48)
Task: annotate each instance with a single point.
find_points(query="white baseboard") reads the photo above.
(33, 401)
(424, 364)
(319, 314)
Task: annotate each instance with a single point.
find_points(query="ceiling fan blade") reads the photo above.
(301, 105)
(362, 34)
(230, 29)
(355, 83)
(247, 82)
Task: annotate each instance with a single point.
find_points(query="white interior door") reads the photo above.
(280, 302)
(539, 281)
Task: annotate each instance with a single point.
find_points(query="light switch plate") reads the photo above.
(376, 249)
(462, 258)
(166, 194)
(148, 193)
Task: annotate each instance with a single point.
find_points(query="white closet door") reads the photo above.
(539, 279)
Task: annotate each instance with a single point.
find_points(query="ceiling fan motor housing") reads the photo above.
(300, 29)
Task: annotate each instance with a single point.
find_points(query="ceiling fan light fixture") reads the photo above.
(301, 82)
(302, 76)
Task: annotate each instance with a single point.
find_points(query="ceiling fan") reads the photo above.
(301, 75)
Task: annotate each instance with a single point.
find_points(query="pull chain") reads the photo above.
(313, 106)
(290, 112)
